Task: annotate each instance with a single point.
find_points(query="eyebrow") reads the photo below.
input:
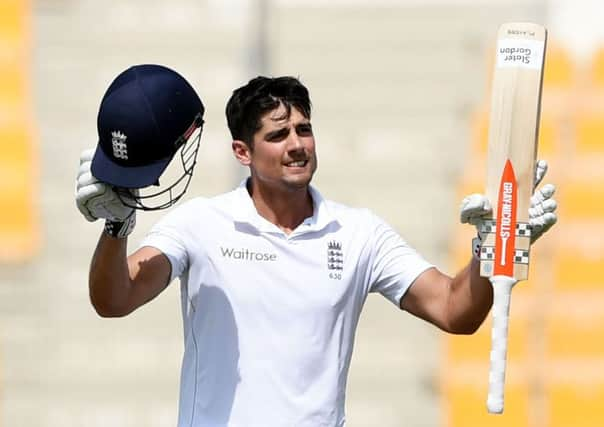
(284, 131)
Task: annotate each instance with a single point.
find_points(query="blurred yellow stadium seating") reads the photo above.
(581, 200)
(589, 132)
(13, 84)
(14, 16)
(575, 404)
(560, 82)
(19, 234)
(549, 138)
(577, 271)
(568, 337)
(480, 131)
(597, 68)
(560, 68)
(465, 406)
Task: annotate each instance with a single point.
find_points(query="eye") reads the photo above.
(304, 129)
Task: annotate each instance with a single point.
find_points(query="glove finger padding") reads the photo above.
(541, 208)
(104, 203)
(542, 224)
(85, 179)
(83, 197)
(96, 199)
(85, 170)
(472, 211)
(540, 171)
(543, 193)
(541, 212)
(473, 208)
(87, 155)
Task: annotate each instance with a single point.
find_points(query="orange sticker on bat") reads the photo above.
(505, 235)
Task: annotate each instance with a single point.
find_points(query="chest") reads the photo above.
(306, 275)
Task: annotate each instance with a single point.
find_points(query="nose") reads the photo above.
(294, 142)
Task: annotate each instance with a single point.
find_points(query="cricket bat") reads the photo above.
(512, 150)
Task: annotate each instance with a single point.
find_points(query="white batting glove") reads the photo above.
(96, 200)
(542, 211)
(476, 207)
(540, 170)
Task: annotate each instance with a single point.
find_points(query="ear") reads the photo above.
(242, 152)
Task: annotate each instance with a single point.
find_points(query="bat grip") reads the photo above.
(502, 292)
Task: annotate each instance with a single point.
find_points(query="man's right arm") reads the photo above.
(118, 283)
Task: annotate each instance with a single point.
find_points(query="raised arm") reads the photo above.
(118, 283)
(457, 304)
(460, 304)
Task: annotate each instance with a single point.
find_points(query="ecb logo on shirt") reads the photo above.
(335, 259)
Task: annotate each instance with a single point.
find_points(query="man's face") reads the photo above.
(283, 155)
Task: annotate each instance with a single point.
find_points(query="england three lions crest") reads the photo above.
(335, 256)
(118, 142)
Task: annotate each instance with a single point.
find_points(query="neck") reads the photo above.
(286, 209)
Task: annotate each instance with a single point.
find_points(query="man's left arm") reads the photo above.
(457, 305)
(460, 304)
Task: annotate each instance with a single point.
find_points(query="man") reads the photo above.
(274, 277)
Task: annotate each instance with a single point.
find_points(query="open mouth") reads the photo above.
(297, 164)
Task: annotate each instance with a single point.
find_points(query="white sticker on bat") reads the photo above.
(520, 53)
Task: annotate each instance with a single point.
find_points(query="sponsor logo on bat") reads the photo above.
(506, 222)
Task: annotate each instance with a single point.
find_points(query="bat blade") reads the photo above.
(512, 149)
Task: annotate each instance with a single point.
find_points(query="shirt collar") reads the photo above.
(247, 213)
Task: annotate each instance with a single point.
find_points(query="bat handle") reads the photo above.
(502, 292)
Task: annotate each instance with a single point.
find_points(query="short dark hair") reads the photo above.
(260, 95)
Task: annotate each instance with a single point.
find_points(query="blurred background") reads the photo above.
(401, 99)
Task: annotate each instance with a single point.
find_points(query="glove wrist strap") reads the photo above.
(476, 246)
(120, 229)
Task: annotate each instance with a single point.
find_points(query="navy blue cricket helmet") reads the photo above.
(148, 113)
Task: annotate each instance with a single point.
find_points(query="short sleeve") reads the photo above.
(395, 265)
(167, 236)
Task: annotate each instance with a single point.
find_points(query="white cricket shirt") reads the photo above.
(269, 318)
